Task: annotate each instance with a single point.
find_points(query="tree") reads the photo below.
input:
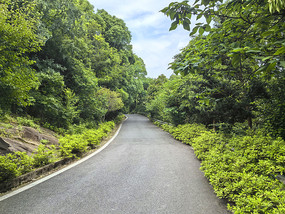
(55, 56)
(112, 102)
(18, 33)
(116, 31)
(243, 51)
(255, 32)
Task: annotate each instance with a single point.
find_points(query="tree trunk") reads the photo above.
(249, 121)
(249, 118)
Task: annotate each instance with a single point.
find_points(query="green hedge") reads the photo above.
(241, 169)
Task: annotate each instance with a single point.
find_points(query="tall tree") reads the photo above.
(18, 37)
(243, 49)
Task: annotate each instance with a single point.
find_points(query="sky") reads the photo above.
(151, 38)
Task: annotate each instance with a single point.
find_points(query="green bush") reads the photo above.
(119, 118)
(8, 169)
(107, 127)
(53, 128)
(76, 144)
(187, 133)
(72, 145)
(206, 141)
(77, 128)
(13, 165)
(27, 122)
(44, 156)
(94, 137)
(167, 127)
(243, 170)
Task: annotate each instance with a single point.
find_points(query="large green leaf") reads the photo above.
(195, 29)
(271, 67)
(173, 26)
(280, 51)
(236, 60)
(201, 30)
(282, 63)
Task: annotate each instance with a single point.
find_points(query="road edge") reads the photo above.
(28, 186)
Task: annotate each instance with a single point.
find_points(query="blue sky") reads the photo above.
(151, 39)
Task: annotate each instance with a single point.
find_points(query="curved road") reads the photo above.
(144, 170)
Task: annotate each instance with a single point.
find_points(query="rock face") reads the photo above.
(3, 145)
(27, 141)
(10, 145)
(31, 134)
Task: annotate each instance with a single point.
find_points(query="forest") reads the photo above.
(67, 66)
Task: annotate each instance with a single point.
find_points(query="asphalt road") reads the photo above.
(144, 170)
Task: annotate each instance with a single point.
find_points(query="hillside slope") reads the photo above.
(17, 138)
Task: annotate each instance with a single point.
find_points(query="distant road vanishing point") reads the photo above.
(144, 170)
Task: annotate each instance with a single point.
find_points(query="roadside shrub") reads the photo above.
(107, 127)
(119, 118)
(72, 145)
(167, 127)
(8, 169)
(207, 140)
(188, 132)
(77, 128)
(44, 156)
(157, 123)
(24, 162)
(76, 144)
(94, 137)
(13, 165)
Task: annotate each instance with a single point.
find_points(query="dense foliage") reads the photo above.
(232, 74)
(64, 63)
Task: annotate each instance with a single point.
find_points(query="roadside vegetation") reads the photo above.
(73, 144)
(226, 98)
(242, 169)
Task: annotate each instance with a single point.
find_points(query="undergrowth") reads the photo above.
(15, 164)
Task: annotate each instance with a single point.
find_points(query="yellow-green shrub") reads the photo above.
(76, 144)
(72, 145)
(14, 164)
(44, 155)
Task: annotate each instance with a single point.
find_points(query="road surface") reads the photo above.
(144, 170)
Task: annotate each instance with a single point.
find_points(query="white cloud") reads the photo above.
(151, 39)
